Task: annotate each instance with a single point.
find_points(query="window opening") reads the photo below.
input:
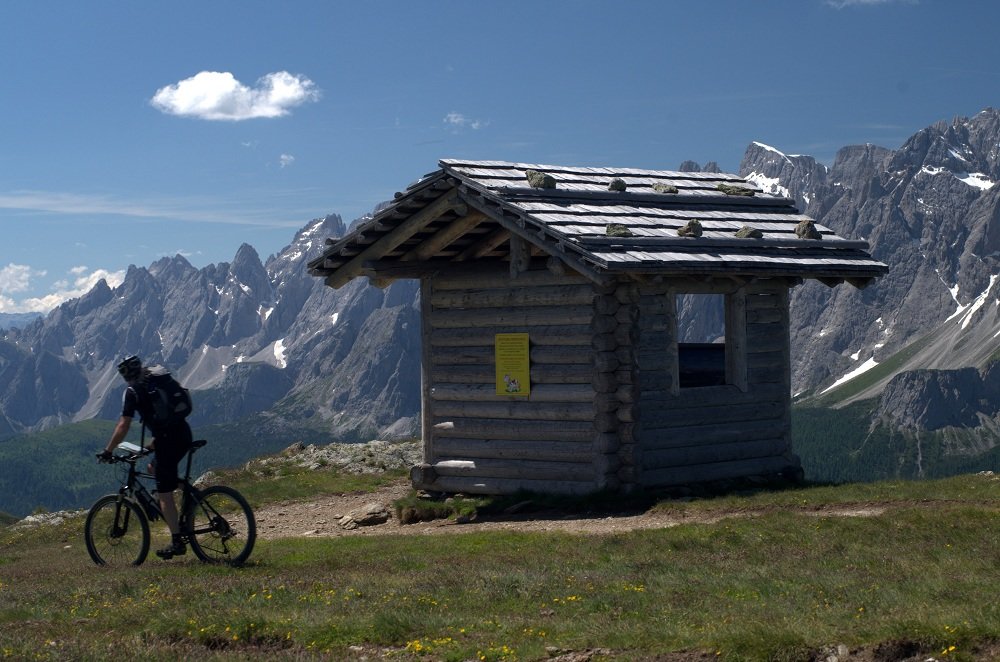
(701, 340)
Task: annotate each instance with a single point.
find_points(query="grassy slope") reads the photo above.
(56, 469)
(774, 586)
(835, 445)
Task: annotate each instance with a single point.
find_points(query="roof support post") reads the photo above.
(520, 255)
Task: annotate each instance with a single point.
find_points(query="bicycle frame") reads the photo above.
(133, 488)
(216, 521)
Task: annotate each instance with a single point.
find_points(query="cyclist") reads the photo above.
(169, 444)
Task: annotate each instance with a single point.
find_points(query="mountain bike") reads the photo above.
(217, 521)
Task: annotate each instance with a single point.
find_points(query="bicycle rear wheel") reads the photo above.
(220, 525)
(116, 532)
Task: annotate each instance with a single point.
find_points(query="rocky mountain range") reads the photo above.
(250, 338)
(268, 341)
(931, 211)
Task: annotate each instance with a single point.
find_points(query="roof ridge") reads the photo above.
(592, 170)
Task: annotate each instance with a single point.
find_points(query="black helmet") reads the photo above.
(130, 368)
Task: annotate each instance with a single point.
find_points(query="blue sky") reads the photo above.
(132, 130)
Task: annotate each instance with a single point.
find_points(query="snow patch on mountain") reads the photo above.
(772, 149)
(865, 367)
(767, 184)
(279, 353)
(974, 179)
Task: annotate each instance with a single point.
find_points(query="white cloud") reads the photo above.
(63, 290)
(286, 160)
(217, 95)
(17, 277)
(458, 120)
(196, 210)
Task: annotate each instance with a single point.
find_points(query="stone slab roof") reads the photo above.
(467, 210)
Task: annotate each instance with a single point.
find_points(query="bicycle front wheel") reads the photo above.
(220, 525)
(116, 532)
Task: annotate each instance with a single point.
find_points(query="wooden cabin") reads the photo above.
(552, 360)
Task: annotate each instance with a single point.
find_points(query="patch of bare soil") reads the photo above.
(321, 517)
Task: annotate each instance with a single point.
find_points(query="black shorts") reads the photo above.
(171, 445)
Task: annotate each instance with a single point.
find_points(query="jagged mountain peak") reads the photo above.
(693, 166)
(171, 267)
(930, 211)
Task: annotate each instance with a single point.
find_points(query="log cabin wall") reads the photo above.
(476, 441)
(740, 429)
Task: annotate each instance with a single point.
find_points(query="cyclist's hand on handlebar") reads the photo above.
(104, 457)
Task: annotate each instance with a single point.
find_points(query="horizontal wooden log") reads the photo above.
(514, 296)
(605, 361)
(606, 442)
(710, 453)
(627, 293)
(487, 393)
(606, 464)
(540, 374)
(501, 428)
(765, 301)
(604, 324)
(519, 469)
(515, 449)
(626, 374)
(767, 375)
(628, 474)
(721, 414)
(714, 396)
(759, 359)
(517, 409)
(523, 316)
(486, 278)
(606, 304)
(606, 402)
(547, 335)
(701, 435)
(766, 340)
(605, 421)
(554, 355)
(766, 315)
(480, 485)
(628, 413)
(715, 471)
(627, 314)
(604, 342)
(605, 382)
(627, 394)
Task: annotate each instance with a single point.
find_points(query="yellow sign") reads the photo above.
(513, 364)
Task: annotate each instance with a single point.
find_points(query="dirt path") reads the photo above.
(321, 518)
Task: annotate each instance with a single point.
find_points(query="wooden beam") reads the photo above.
(484, 246)
(517, 225)
(444, 237)
(394, 238)
(520, 255)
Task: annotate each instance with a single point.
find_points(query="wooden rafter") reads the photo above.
(444, 237)
(517, 226)
(484, 245)
(391, 240)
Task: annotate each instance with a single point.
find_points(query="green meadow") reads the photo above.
(771, 575)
